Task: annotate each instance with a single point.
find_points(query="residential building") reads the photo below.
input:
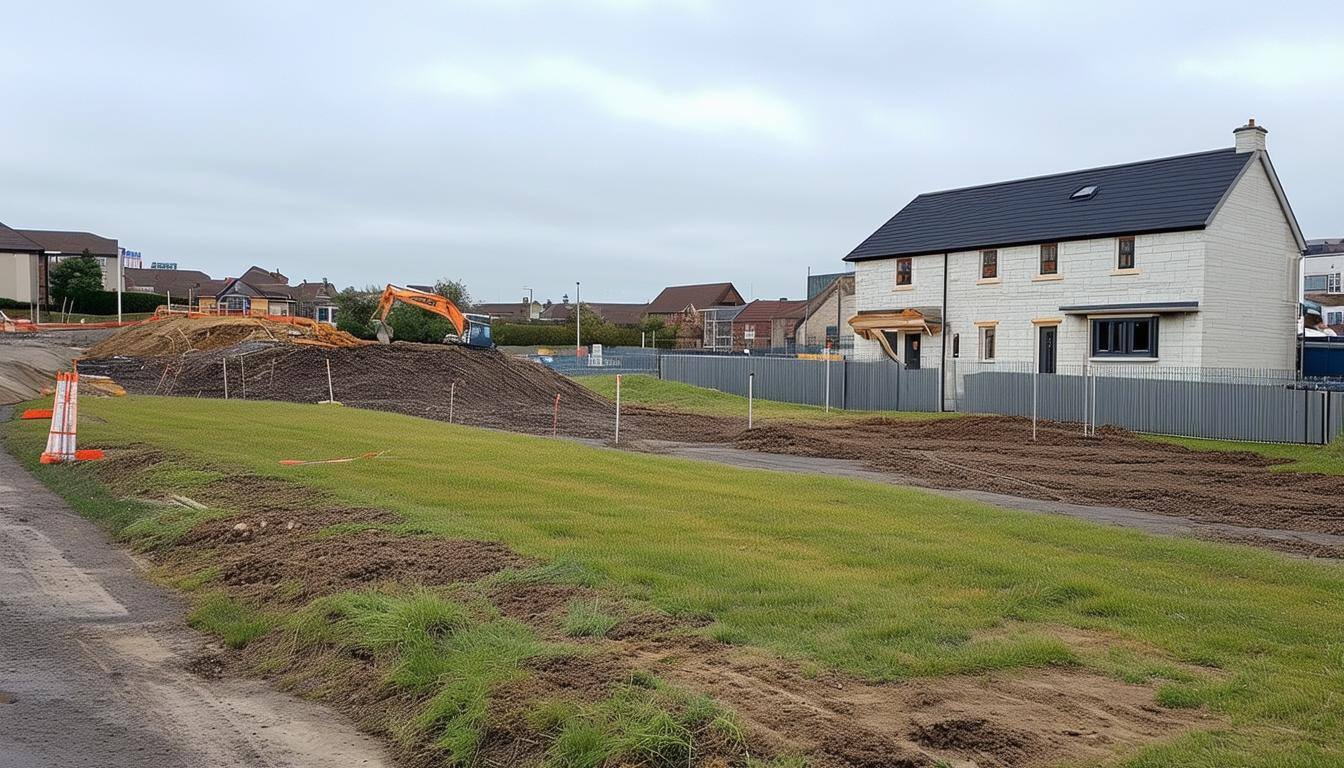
(256, 292)
(612, 312)
(1323, 266)
(183, 286)
(677, 304)
(28, 255)
(316, 301)
(827, 310)
(1181, 261)
(768, 325)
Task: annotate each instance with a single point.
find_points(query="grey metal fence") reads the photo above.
(865, 386)
(1218, 403)
(612, 360)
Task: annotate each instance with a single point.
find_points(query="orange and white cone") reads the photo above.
(64, 415)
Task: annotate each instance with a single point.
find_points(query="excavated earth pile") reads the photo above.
(179, 335)
(478, 387)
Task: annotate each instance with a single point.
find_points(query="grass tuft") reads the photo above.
(587, 619)
(234, 622)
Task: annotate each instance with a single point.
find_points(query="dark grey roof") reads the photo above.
(1169, 194)
(11, 240)
(1157, 307)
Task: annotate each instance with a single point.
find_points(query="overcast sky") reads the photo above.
(629, 144)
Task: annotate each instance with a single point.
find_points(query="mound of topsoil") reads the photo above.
(179, 335)
(481, 387)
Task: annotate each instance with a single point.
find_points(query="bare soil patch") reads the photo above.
(1117, 469)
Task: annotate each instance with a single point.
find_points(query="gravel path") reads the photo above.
(93, 663)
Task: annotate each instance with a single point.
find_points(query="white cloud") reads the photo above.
(1269, 64)
(710, 109)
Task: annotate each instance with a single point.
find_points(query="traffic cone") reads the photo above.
(64, 412)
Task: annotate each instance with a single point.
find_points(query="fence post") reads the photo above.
(618, 409)
(331, 392)
(1035, 390)
(751, 379)
(1087, 374)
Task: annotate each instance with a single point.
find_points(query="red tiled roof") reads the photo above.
(765, 311)
(676, 298)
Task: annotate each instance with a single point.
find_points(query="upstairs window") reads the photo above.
(1050, 259)
(1124, 337)
(1125, 259)
(1332, 283)
(905, 271)
(1315, 283)
(989, 265)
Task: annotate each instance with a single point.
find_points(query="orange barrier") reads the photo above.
(36, 413)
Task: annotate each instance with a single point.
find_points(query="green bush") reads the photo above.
(101, 303)
(548, 335)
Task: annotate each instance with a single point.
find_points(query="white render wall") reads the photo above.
(16, 276)
(1251, 283)
(1169, 267)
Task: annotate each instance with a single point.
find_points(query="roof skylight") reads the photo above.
(1084, 193)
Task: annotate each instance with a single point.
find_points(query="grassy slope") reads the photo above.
(882, 581)
(1326, 460)
(652, 392)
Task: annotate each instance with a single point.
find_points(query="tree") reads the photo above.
(354, 311)
(79, 279)
(454, 291)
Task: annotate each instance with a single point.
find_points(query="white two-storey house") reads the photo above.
(1188, 261)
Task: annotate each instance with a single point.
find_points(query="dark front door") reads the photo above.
(912, 351)
(1049, 337)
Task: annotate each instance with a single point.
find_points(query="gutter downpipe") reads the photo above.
(942, 366)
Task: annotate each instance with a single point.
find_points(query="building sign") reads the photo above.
(163, 265)
(131, 259)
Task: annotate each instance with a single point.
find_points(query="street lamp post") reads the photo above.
(578, 319)
(530, 302)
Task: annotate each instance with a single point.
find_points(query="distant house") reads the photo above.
(1323, 266)
(827, 310)
(182, 285)
(256, 292)
(519, 311)
(678, 303)
(27, 256)
(612, 312)
(316, 300)
(768, 325)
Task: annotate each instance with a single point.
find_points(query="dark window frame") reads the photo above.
(1122, 337)
(1121, 256)
(905, 267)
(988, 343)
(989, 264)
(1052, 259)
(956, 345)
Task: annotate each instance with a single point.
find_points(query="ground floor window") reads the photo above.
(235, 303)
(1124, 337)
(326, 315)
(987, 339)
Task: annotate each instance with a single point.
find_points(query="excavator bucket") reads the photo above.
(384, 331)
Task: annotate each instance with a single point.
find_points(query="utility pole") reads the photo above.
(578, 319)
(119, 281)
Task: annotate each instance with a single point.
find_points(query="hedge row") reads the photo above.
(525, 335)
(102, 303)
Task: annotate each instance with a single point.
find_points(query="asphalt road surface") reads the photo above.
(93, 663)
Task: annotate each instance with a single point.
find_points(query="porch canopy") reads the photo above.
(884, 325)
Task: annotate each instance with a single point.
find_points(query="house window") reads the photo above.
(1332, 283)
(1124, 337)
(1334, 318)
(1050, 259)
(905, 271)
(956, 345)
(989, 265)
(1315, 283)
(235, 303)
(987, 342)
(326, 315)
(1126, 254)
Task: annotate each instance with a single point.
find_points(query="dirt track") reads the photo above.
(987, 453)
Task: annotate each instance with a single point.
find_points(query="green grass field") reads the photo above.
(652, 392)
(1323, 459)
(879, 581)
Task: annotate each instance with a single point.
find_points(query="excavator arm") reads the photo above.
(429, 301)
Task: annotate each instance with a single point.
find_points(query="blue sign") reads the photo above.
(163, 265)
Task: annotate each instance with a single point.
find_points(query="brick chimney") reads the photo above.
(1250, 137)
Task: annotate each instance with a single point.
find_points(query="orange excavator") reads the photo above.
(472, 330)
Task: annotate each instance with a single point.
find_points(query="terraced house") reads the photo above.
(1188, 261)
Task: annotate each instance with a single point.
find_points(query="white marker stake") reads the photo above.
(618, 408)
(331, 395)
(751, 380)
(225, 363)
(452, 395)
(828, 378)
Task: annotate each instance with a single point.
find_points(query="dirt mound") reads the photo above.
(180, 335)
(27, 368)
(478, 387)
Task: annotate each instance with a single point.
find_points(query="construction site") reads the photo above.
(1031, 686)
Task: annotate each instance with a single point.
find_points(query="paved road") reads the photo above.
(1151, 522)
(92, 663)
